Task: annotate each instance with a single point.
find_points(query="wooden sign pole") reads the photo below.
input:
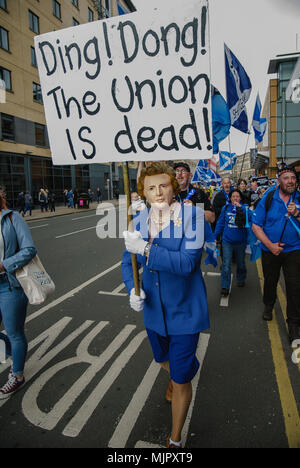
(130, 226)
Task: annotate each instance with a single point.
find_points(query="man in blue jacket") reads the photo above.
(276, 223)
(168, 242)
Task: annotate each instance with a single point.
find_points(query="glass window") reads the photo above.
(75, 3)
(91, 15)
(8, 127)
(3, 4)
(33, 57)
(107, 9)
(56, 9)
(75, 22)
(37, 92)
(34, 22)
(5, 75)
(4, 39)
(40, 139)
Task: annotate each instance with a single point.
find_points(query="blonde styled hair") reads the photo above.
(157, 168)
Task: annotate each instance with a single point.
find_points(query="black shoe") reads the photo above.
(241, 285)
(224, 292)
(268, 313)
(294, 332)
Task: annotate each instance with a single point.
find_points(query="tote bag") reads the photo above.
(35, 281)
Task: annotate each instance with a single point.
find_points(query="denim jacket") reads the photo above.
(19, 248)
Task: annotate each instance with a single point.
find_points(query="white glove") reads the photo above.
(138, 205)
(137, 302)
(134, 242)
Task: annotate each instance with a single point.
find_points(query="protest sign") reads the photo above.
(129, 88)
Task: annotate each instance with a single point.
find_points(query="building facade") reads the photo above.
(25, 155)
(282, 114)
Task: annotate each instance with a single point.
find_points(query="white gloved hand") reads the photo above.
(134, 242)
(137, 302)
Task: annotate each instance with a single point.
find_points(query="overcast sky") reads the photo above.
(256, 31)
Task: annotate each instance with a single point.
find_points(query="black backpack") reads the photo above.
(269, 199)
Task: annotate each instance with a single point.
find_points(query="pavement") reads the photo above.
(90, 376)
(62, 210)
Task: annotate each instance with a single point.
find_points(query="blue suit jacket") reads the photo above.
(176, 302)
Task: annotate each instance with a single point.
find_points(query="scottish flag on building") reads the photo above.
(227, 161)
(259, 124)
(238, 87)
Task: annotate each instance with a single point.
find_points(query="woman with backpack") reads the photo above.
(231, 225)
(16, 250)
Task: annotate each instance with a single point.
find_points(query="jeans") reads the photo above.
(241, 270)
(13, 306)
(28, 207)
(290, 264)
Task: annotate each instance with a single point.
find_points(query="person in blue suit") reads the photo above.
(168, 241)
(16, 250)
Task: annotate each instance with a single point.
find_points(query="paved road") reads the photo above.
(91, 380)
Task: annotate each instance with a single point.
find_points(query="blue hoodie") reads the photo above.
(226, 226)
(19, 248)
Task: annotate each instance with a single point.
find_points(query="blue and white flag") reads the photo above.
(221, 121)
(259, 124)
(210, 246)
(238, 87)
(227, 161)
(204, 175)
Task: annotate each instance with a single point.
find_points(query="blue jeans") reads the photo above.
(13, 306)
(241, 270)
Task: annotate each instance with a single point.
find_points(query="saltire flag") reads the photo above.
(210, 246)
(221, 121)
(255, 246)
(204, 175)
(259, 124)
(227, 161)
(238, 88)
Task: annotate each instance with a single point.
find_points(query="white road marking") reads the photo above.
(42, 225)
(83, 217)
(49, 420)
(201, 352)
(133, 410)
(77, 232)
(129, 418)
(225, 300)
(142, 444)
(71, 293)
(77, 423)
(106, 293)
(40, 358)
(115, 292)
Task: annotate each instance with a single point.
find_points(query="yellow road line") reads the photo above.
(287, 398)
(283, 304)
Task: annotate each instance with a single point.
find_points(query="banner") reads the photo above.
(129, 88)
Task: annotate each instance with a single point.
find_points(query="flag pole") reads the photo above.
(232, 173)
(130, 226)
(245, 154)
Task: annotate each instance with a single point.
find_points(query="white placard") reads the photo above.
(129, 88)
